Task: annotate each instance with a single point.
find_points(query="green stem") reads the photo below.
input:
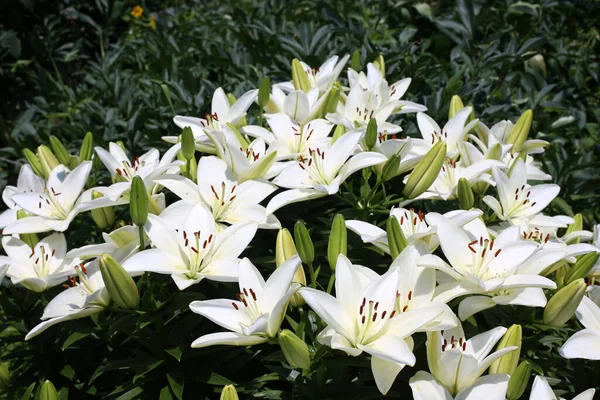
(188, 169)
(141, 231)
(330, 284)
(313, 280)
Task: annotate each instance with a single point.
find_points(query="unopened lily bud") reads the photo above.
(537, 63)
(87, 148)
(518, 381)
(380, 64)
(495, 152)
(34, 162)
(103, 217)
(304, 244)
(426, 171)
(355, 61)
(333, 98)
(371, 135)
(47, 160)
(294, 349)
(188, 144)
(138, 201)
(229, 393)
(582, 267)
(4, 376)
(562, 306)
(284, 247)
(396, 239)
(465, 194)
(47, 391)
(390, 168)
(30, 238)
(264, 91)
(121, 287)
(59, 150)
(299, 76)
(507, 364)
(520, 131)
(575, 227)
(338, 132)
(338, 240)
(456, 105)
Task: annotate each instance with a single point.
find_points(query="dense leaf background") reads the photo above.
(68, 67)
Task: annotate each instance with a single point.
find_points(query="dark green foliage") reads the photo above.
(70, 67)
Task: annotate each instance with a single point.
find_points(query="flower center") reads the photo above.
(223, 199)
(483, 253)
(195, 248)
(521, 202)
(411, 222)
(314, 165)
(402, 303)
(455, 343)
(130, 170)
(371, 320)
(247, 298)
(42, 262)
(52, 204)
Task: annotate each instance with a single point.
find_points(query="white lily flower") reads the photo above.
(120, 244)
(322, 173)
(322, 77)
(291, 139)
(500, 132)
(299, 106)
(595, 272)
(253, 162)
(217, 188)
(257, 314)
(27, 182)
(495, 268)
(445, 185)
(194, 251)
(403, 148)
(586, 343)
(541, 390)
(457, 363)
(453, 133)
(363, 317)
(518, 199)
(3, 269)
(85, 298)
(40, 267)
(147, 166)
(413, 225)
(491, 387)
(222, 113)
(56, 206)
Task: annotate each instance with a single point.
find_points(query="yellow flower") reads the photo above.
(137, 11)
(153, 22)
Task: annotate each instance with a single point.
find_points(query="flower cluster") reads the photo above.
(313, 134)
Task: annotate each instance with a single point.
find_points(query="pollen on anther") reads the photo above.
(235, 305)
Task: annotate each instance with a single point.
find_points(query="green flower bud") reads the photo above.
(229, 393)
(520, 131)
(574, 227)
(338, 240)
(396, 239)
(121, 144)
(299, 76)
(426, 171)
(562, 306)
(47, 391)
(456, 105)
(294, 349)
(59, 149)
(188, 144)
(138, 201)
(103, 217)
(495, 152)
(34, 162)
(371, 135)
(582, 267)
(4, 377)
(390, 168)
(507, 364)
(304, 244)
(193, 168)
(355, 60)
(465, 194)
(87, 147)
(264, 91)
(518, 381)
(30, 238)
(47, 160)
(284, 247)
(231, 99)
(120, 285)
(380, 64)
(338, 132)
(333, 98)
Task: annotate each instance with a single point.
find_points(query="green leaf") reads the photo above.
(176, 386)
(147, 369)
(130, 395)
(218, 380)
(73, 338)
